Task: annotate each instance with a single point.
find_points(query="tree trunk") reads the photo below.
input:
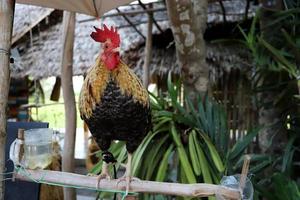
(188, 21)
(273, 136)
(6, 24)
(69, 98)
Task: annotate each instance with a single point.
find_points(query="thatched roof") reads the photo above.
(26, 17)
(41, 57)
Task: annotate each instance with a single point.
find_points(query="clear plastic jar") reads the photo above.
(38, 148)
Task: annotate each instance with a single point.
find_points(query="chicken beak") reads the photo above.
(116, 50)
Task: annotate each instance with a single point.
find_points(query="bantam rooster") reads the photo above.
(113, 102)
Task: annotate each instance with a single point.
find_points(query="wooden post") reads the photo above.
(245, 170)
(69, 98)
(6, 24)
(148, 50)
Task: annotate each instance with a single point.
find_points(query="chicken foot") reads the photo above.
(103, 175)
(127, 176)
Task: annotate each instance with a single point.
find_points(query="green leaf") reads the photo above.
(203, 162)
(285, 188)
(97, 168)
(193, 111)
(209, 117)
(193, 154)
(182, 155)
(153, 155)
(136, 161)
(202, 116)
(163, 113)
(162, 170)
(288, 154)
(214, 154)
(171, 88)
(242, 144)
(289, 67)
(160, 123)
(217, 127)
(261, 165)
(121, 156)
(255, 158)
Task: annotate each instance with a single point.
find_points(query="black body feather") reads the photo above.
(119, 117)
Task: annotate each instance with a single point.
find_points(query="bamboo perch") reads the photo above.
(89, 182)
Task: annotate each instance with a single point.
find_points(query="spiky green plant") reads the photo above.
(275, 49)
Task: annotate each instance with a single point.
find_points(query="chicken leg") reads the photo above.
(127, 176)
(104, 174)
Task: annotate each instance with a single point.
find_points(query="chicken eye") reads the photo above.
(106, 46)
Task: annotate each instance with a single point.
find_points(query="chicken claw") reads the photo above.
(128, 180)
(104, 175)
(127, 176)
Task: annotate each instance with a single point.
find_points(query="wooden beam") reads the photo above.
(223, 10)
(138, 12)
(69, 98)
(132, 25)
(139, 23)
(140, 186)
(30, 26)
(119, 13)
(154, 21)
(6, 24)
(148, 51)
(247, 9)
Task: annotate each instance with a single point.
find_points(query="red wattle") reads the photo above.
(111, 61)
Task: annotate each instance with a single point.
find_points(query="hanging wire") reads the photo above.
(115, 176)
(5, 173)
(4, 51)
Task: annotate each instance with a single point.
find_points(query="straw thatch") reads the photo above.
(27, 17)
(40, 56)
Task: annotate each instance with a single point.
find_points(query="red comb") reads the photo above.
(101, 35)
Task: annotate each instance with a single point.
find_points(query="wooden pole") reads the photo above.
(130, 23)
(127, 13)
(6, 24)
(245, 170)
(154, 21)
(89, 182)
(69, 98)
(148, 50)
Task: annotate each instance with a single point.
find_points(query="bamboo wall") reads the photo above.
(232, 88)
